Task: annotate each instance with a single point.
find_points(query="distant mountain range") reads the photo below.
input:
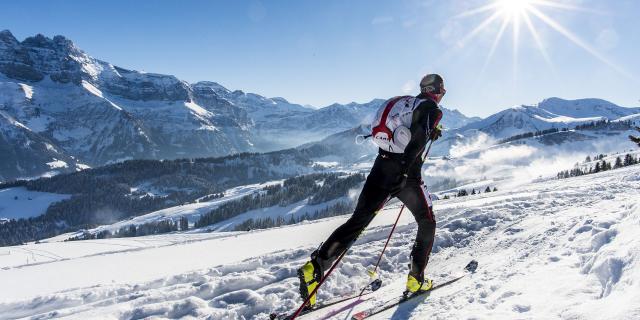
(62, 110)
(550, 113)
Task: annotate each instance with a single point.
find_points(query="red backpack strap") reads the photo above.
(382, 126)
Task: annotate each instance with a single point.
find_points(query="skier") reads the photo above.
(402, 128)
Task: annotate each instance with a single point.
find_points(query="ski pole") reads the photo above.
(428, 149)
(335, 264)
(313, 292)
(385, 248)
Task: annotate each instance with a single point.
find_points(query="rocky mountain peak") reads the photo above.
(60, 44)
(7, 38)
(210, 87)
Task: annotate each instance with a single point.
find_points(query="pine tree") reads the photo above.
(618, 163)
(628, 160)
(487, 189)
(495, 189)
(184, 224)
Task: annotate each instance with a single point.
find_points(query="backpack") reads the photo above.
(390, 127)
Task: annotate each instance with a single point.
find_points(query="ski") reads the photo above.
(470, 268)
(275, 316)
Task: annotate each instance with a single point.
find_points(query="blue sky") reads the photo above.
(320, 52)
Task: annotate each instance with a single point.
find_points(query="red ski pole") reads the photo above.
(335, 264)
(385, 247)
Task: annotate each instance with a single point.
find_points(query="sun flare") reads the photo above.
(530, 14)
(513, 8)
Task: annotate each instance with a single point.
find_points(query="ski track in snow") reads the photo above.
(564, 249)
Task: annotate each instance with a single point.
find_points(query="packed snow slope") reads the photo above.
(21, 203)
(551, 249)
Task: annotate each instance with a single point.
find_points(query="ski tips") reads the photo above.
(472, 266)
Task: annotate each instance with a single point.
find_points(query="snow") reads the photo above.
(295, 210)
(551, 249)
(197, 109)
(565, 119)
(27, 204)
(192, 211)
(326, 164)
(57, 164)
(91, 88)
(13, 121)
(28, 90)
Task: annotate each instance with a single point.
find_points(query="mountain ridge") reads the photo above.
(95, 113)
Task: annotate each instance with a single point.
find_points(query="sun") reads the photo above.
(513, 8)
(530, 14)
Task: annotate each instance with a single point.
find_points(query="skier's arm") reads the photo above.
(425, 117)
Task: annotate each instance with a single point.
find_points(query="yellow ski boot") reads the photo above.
(309, 276)
(416, 286)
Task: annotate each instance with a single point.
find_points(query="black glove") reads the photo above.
(436, 132)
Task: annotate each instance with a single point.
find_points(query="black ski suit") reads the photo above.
(385, 181)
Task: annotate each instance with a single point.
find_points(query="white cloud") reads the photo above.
(506, 154)
(460, 149)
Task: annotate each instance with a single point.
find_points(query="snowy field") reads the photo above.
(552, 249)
(19, 202)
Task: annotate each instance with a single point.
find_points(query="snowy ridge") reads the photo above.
(576, 236)
(550, 113)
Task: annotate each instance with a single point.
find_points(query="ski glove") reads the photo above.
(436, 132)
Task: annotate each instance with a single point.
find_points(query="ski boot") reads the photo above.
(417, 286)
(309, 276)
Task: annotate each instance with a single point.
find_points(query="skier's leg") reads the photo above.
(374, 194)
(371, 200)
(416, 197)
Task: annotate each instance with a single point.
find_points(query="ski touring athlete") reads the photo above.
(402, 128)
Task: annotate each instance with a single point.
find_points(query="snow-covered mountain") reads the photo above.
(92, 111)
(280, 124)
(550, 113)
(62, 110)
